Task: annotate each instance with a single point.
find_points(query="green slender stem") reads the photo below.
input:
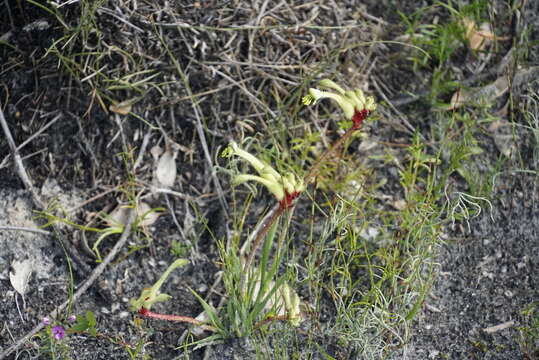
(336, 145)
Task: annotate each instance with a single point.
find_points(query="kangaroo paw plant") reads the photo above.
(242, 277)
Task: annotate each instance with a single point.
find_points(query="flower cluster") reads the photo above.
(355, 105)
(284, 187)
(57, 331)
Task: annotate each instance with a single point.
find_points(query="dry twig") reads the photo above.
(19, 166)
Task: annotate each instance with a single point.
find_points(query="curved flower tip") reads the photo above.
(285, 188)
(260, 166)
(331, 85)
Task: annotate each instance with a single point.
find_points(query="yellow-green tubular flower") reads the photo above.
(355, 105)
(260, 166)
(152, 295)
(273, 186)
(291, 304)
(331, 85)
(344, 102)
(284, 188)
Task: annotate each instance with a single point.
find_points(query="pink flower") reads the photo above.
(58, 332)
(46, 320)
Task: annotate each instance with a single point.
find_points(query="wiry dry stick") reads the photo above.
(199, 129)
(21, 171)
(19, 228)
(92, 199)
(143, 147)
(36, 134)
(82, 289)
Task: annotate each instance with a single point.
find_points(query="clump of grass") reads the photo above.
(440, 43)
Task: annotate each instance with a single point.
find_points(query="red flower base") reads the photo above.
(288, 200)
(143, 311)
(359, 116)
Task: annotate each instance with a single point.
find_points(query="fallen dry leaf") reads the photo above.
(505, 138)
(399, 204)
(479, 37)
(20, 275)
(486, 94)
(150, 217)
(118, 216)
(120, 213)
(165, 172)
(156, 151)
(122, 108)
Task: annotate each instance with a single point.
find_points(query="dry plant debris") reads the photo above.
(19, 275)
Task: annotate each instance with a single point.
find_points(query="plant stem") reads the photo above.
(310, 176)
(150, 314)
(336, 145)
(258, 240)
(271, 318)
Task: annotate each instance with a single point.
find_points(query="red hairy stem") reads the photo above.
(336, 145)
(288, 200)
(262, 234)
(270, 319)
(150, 314)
